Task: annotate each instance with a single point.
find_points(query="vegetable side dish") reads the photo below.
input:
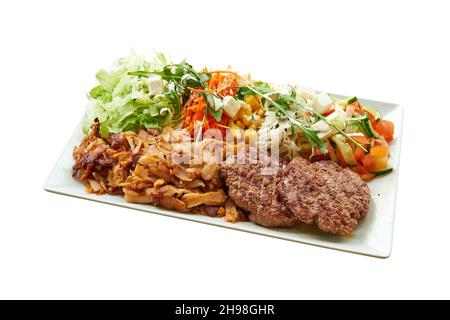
(164, 133)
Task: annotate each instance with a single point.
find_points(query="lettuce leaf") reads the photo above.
(123, 102)
(100, 93)
(108, 80)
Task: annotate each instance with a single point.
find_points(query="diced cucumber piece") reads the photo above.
(345, 149)
(367, 128)
(351, 100)
(374, 133)
(373, 111)
(382, 171)
(345, 102)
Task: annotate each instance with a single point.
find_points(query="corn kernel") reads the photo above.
(247, 120)
(245, 106)
(244, 112)
(253, 102)
(239, 124)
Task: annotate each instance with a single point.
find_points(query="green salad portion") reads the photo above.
(124, 102)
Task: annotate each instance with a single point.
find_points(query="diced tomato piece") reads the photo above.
(383, 127)
(328, 112)
(350, 110)
(354, 105)
(378, 128)
(318, 155)
(363, 172)
(368, 162)
(388, 129)
(359, 154)
(373, 122)
(359, 169)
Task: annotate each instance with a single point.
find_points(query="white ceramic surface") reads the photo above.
(372, 237)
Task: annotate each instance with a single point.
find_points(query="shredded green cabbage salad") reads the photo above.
(123, 102)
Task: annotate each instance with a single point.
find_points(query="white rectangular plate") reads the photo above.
(372, 237)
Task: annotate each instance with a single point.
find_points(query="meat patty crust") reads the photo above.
(322, 192)
(252, 187)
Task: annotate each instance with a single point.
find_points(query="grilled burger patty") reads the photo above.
(253, 188)
(333, 198)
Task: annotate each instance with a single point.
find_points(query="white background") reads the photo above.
(58, 247)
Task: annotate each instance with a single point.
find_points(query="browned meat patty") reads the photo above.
(256, 193)
(325, 194)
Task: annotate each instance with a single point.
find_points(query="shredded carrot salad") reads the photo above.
(194, 112)
(225, 83)
(222, 82)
